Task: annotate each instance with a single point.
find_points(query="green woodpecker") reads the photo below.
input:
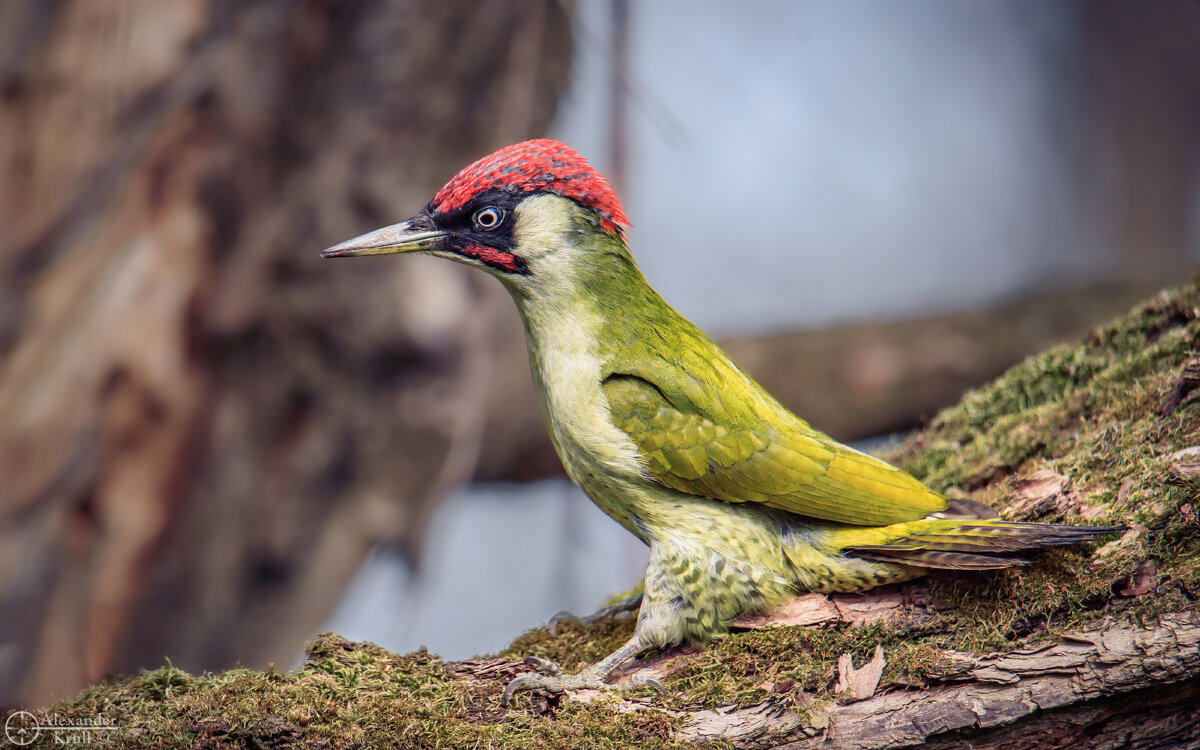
(740, 502)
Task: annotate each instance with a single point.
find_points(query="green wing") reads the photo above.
(737, 459)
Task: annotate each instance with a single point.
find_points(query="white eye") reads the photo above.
(488, 218)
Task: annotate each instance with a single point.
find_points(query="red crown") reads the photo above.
(540, 166)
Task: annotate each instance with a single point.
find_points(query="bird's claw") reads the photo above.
(641, 681)
(543, 666)
(618, 609)
(549, 676)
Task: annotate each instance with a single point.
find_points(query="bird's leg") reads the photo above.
(657, 626)
(550, 677)
(628, 604)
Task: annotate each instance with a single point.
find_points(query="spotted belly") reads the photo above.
(714, 561)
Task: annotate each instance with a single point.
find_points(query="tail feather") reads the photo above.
(938, 543)
(938, 558)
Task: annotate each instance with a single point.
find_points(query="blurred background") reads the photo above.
(214, 445)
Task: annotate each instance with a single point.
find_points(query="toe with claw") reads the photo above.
(549, 676)
(623, 607)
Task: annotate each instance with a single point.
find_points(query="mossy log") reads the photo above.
(1091, 647)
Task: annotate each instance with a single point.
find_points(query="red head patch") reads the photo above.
(541, 166)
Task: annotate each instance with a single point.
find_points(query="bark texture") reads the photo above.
(986, 697)
(205, 427)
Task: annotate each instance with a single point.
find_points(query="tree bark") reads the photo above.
(1148, 678)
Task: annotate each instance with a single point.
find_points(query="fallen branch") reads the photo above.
(983, 692)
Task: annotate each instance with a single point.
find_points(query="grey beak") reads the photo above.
(409, 236)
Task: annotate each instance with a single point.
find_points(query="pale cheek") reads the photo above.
(542, 222)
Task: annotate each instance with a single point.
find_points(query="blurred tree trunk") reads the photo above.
(205, 427)
(1143, 83)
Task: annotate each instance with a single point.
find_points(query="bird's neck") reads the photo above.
(576, 325)
(592, 299)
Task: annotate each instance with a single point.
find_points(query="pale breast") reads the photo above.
(567, 370)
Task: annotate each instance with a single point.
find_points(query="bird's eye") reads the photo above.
(488, 218)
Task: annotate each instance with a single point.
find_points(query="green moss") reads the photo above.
(1102, 392)
(1084, 411)
(573, 645)
(352, 695)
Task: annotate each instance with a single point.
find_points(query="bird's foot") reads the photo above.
(625, 606)
(549, 676)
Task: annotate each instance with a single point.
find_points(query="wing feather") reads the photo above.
(788, 466)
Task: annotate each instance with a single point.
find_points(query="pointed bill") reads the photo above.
(414, 235)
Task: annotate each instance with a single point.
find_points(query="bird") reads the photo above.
(740, 502)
